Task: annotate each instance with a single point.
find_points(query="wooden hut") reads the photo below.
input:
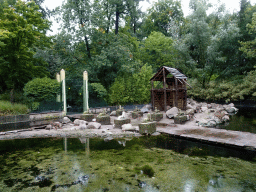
(169, 89)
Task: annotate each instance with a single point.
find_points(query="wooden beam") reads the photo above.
(152, 95)
(187, 83)
(176, 93)
(164, 89)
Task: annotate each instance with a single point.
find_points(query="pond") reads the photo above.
(244, 120)
(158, 163)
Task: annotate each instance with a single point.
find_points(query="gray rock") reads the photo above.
(82, 122)
(209, 106)
(66, 120)
(93, 125)
(204, 109)
(156, 134)
(77, 121)
(207, 123)
(211, 123)
(171, 113)
(82, 125)
(144, 109)
(190, 106)
(190, 111)
(57, 125)
(113, 113)
(128, 127)
(225, 118)
(231, 110)
(49, 127)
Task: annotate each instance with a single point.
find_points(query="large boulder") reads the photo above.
(77, 122)
(231, 110)
(93, 125)
(171, 113)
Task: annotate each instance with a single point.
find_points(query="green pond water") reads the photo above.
(244, 120)
(140, 164)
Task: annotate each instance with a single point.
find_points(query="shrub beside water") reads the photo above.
(7, 108)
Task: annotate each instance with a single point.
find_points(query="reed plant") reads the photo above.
(8, 108)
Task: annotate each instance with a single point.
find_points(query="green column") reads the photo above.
(85, 92)
(64, 99)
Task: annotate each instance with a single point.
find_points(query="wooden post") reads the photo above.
(185, 95)
(152, 95)
(164, 89)
(176, 93)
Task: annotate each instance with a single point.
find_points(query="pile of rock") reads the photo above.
(204, 114)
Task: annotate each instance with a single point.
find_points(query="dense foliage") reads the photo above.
(21, 30)
(42, 89)
(121, 47)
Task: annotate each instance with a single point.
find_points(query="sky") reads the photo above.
(231, 5)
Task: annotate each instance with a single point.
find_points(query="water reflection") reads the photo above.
(85, 141)
(244, 120)
(115, 165)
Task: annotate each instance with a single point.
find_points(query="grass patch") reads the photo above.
(8, 108)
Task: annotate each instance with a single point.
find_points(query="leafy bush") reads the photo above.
(237, 88)
(42, 89)
(132, 89)
(7, 108)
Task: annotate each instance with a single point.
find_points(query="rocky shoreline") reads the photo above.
(198, 114)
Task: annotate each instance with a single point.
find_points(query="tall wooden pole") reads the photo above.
(164, 89)
(85, 92)
(64, 99)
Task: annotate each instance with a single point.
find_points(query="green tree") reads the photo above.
(198, 39)
(162, 15)
(22, 29)
(248, 47)
(158, 50)
(132, 89)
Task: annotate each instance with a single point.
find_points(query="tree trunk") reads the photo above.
(117, 19)
(86, 42)
(87, 47)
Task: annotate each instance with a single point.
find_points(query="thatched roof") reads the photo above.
(168, 70)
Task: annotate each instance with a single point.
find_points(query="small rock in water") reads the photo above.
(82, 179)
(43, 181)
(142, 184)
